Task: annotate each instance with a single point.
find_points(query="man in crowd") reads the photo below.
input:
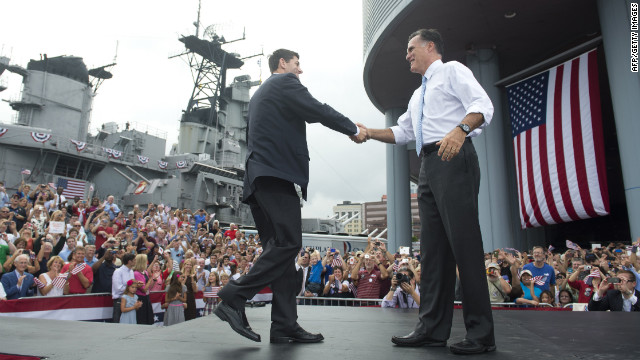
(624, 296)
(544, 276)
(499, 288)
(111, 208)
(443, 115)
(403, 292)
(82, 280)
(277, 158)
(119, 283)
(303, 271)
(19, 213)
(18, 283)
(368, 277)
(71, 246)
(104, 268)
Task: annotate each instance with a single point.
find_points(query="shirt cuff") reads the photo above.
(596, 296)
(357, 131)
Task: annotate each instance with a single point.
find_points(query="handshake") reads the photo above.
(362, 136)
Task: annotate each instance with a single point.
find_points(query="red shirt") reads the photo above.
(75, 286)
(230, 233)
(101, 239)
(369, 284)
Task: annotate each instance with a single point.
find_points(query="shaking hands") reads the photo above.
(362, 136)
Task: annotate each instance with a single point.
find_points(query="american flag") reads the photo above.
(78, 268)
(337, 261)
(540, 280)
(353, 289)
(211, 291)
(72, 187)
(556, 126)
(60, 280)
(39, 283)
(25, 172)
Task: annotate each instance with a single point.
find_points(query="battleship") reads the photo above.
(48, 141)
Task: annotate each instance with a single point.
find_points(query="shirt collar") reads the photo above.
(432, 68)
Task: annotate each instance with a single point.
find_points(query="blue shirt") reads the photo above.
(316, 272)
(112, 210)
(199, 219)
(527, 292)
(545, 275)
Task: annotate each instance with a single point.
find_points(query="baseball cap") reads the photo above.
(495, 266)
(525, 272)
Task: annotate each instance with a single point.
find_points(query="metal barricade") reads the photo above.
(329, 301)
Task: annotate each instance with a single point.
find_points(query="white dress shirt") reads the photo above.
(119, 281)
(626, 303)
(451, 93)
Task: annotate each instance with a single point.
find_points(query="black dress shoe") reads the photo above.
(417, 339)
(300, 335)
(468, 346)
(236, 320)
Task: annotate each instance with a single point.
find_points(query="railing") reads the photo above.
(329, 301)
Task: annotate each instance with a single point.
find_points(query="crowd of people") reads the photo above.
(51, 246)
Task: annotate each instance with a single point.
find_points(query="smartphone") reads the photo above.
(613, 280)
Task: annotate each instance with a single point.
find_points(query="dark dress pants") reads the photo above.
(450, 235)
(275, 206)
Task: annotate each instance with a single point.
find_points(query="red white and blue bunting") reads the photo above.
(80, 145)
(113, 153)
(40, 137)
(143, 159)
(3, 131)
(181, 164)
(162, 164)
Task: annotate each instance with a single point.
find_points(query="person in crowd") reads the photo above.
(367, 277)
(337, 286)
(303, 271)
(547, 298)
(314, 284)
(111, 208)
(130, 305)
(121, 276)
(562, 283)
(4, 197)
(71, 244)
(144, 313)
(189, 273)
(33, 266)
(201, 274)
(157, 275)
(531, 294)
(38, 218)
(18, 283)
(79, 279)
(102, 231)
(175, 300)
(19, 213)
(104, 268)
(499, 288)
(46, 287)
(624, 296)
(542, 272)
(404, 293)
(588, 285)
(210, 293)
(565, 298)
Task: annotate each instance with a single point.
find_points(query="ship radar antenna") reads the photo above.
(100, 74)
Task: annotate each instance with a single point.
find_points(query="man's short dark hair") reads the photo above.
(430, 35)
(128, 257)
(285, 54)
(632, 277)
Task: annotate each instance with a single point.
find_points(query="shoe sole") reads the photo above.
(286, 340)
(420, 344)
(222, 316)
(465, 352)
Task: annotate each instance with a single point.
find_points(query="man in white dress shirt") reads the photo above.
(443, 115)
(119, 283)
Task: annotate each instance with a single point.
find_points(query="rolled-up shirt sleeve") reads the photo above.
(390, 303)
(403, 132)
(473, 97)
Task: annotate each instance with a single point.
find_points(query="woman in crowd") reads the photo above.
(144, 314)
(157, 276)
(175, 300)
(189, 272)
(173, 223)
(54, 265)
(565, 298)
(531, 294)
(337, 286)
(38, 218)
(95, 204)
(211, 293)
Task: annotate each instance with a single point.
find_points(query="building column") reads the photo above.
(398, 193)
(492, 147)
(625, 92)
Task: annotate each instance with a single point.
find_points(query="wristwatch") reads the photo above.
(465, 128)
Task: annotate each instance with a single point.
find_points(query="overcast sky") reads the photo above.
(151, 89)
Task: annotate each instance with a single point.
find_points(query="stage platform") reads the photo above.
(350, 333)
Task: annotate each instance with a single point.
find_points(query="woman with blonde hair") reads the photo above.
(141, 271)
(54, 265)
(189, 272)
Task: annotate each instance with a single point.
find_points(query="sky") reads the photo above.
(150, 89)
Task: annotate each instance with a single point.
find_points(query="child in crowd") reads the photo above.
(210, 293)
(129, 304)
(175, 300)
(314, 286)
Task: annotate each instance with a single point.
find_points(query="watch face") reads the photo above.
(465, 127)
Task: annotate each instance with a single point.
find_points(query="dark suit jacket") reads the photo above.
(612, 301)
(277, 134)
(10, 282)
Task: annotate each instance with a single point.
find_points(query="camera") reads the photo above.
(378, 243)
(587, 267)
(400, 277)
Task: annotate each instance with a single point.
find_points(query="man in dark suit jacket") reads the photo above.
(18, 283)
(623, 298)
(278, 158)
